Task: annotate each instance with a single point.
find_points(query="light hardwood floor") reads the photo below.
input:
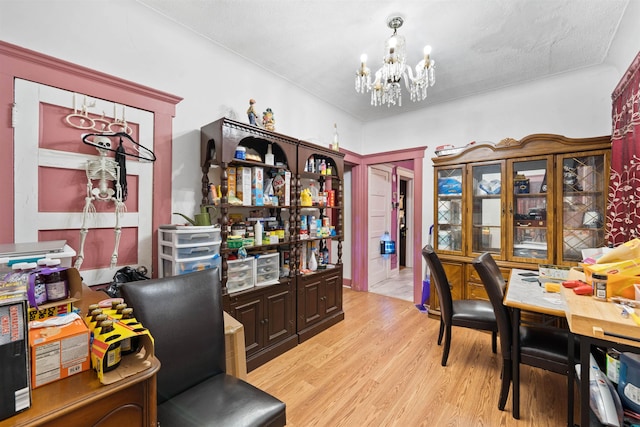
(381, 367)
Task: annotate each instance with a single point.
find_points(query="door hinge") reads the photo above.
(14, 115)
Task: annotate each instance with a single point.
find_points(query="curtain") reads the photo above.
(623, 205)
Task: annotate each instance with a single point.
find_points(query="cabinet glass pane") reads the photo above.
(449, 205)
(583, 209)
(530, 209)
(487, 208)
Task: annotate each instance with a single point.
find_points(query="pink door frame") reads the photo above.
(18, 62)
(359, 190)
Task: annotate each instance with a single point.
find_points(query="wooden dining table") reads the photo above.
(525, 293)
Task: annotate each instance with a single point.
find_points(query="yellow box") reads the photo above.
(621, 285)
(130, 364)
(627, 268)
(234, 347)
(231, 181)
(58, 352)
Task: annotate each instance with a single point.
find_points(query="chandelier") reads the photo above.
(386, 88)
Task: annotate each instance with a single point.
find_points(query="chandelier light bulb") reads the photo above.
(363, 59)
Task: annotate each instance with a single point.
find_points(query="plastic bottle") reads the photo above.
(268, 158)
(314, 193)
(258, 230)
(313, 261)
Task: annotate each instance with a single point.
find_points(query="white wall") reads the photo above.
(127, 40)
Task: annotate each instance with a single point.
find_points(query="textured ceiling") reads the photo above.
(478, 45)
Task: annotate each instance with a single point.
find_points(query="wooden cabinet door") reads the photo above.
(278, 324)
(248, 310)
(333, 293)
(310, 307)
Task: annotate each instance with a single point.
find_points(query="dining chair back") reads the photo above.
(473, 314)
(537, 346)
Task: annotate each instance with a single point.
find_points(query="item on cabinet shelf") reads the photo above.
(268, 158)
(305, 197)
(444, 212)
(241, 153)
(202, 219)
(282, 187)
(313, 190)
(257, 193)
(325, 255)
(234, 242)
(489, 187)
(521, 184)
(258, 233)
(592, 219)
(450, 186)
(268, 121)
(570, 177)
(231, 182)
(335, 146)
(313, 226)
(251, 113)
(313, 261)
(243, 185)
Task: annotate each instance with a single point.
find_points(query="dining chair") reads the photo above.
(184, 314)
(537, 346)
(473, 314)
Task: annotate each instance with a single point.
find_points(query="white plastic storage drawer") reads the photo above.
(190, 251)
(190, 236)
(267, 269)
(240, 274)
(172, 267)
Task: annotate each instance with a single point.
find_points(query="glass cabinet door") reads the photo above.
(584, 189)
(448, 226)
(532, 224)
(487, 209)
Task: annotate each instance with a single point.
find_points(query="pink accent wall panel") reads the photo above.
(99, 245)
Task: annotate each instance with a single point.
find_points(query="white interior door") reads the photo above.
(50, 157)
(379, 204)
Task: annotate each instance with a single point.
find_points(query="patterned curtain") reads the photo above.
(623, 206)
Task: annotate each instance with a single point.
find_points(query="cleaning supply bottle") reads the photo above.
(313, 260)
(257, 231)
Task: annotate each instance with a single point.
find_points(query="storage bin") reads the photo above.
(172, 267)
(267, 269)
(190, 236)
(240, 274)
(191, 251)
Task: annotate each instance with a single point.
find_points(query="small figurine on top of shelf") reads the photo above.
(268, 121)
(251, 113)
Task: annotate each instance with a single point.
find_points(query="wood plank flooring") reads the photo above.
(381, 367)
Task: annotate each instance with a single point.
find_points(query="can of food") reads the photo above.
(599, 283)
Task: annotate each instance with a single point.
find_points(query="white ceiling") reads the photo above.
(478, 45)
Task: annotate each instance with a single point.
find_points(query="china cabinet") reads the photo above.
(540, 200)
(319, 295)
(255, 179)
(266, 312)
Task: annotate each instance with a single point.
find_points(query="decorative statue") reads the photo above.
(251, 113)
(268, 121)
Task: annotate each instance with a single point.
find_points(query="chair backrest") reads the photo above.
(184, 315)
(440, 281)
(494, 284)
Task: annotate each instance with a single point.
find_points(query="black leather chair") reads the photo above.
(474, 314)
(184, 315)
(538, 346)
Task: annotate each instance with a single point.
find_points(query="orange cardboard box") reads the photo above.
(58, 352)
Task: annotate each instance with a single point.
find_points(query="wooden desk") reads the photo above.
(597, 323)
(81, 400)
(531, 296)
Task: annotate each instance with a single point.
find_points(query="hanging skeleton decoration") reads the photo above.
(110, 176)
